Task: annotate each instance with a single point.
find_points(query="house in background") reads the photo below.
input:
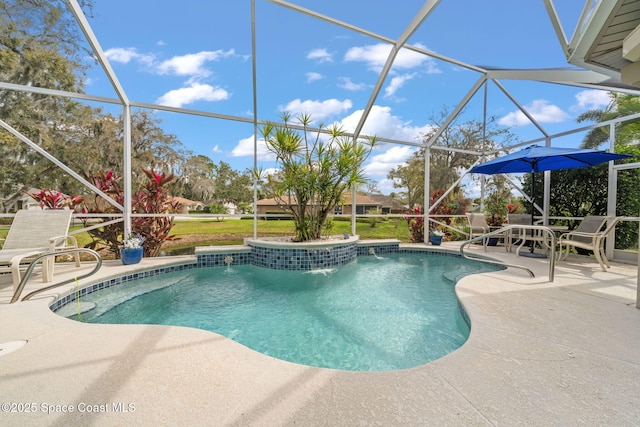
(26, 201)
(364, 204)
(23, 201)
(187, 205)
(265, 206)
(389, 205)
(231, 207)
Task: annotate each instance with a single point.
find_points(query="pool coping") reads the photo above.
(539, 353)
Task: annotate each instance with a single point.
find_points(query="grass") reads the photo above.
(204, 232)
(209, 231)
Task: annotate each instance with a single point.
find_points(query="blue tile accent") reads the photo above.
(285, 258)
(306, 258)
(378, 249)
(218, 259)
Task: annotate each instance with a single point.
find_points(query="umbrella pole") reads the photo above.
(533, 207)
(531, 252)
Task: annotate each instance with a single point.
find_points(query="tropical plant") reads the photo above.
(54, 199)
(153, 198)
(497, 202)
(448, 206)
(149, 232)
(453, 204)
(621, 105)
(314, 172)
(415, 221)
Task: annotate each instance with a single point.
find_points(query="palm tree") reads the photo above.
(621, 105)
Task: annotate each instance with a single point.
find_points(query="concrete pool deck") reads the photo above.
(540, 353)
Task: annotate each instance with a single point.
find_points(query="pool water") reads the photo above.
(376, 314)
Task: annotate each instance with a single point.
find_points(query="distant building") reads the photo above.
(364, 204)
(389, 205)
(187, 205)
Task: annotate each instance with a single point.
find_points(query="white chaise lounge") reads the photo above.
(33, 233)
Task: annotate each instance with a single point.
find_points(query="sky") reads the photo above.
(197, 55)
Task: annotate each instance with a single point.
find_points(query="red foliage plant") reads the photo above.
(416, 224)
(50, 199)
(446, 207)
(151, 198)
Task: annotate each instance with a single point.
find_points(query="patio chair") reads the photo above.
(589, 235)
(478, 226)
(33, 233)
(523, 236)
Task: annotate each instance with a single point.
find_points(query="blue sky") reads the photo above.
(197, 55)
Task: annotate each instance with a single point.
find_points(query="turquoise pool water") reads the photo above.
(376, 314)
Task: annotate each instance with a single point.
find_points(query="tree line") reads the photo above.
(574, 192)
(41, 45)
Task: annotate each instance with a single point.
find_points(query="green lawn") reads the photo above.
(232, 231)
(202, 232)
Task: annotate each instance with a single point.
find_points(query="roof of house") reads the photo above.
(186, 202)
(274, 202)
(388, 201)
(361, 200)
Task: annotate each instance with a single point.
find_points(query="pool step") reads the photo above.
(455, 275)
(72, 309)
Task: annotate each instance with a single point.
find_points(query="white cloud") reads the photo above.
(318, 110)
(382, 123)
(346, 83)
(386, 186)
(588, 99)
(376, 55)
(192, 64)
(126, 55)
(269, 172)
(320, 55)
(195, 92)
(244, 148)
(161, 43)
(540, 110)
(312, 77)
(381, 164)
(216, 149)
(396, 83)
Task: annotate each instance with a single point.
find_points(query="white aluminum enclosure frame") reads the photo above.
(571, 77)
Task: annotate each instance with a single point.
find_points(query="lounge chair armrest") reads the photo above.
(572, 234)
(62, 242)
(579, 233)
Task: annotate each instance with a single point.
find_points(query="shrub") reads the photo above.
(152, 198)
(314, 172)
(416, 225)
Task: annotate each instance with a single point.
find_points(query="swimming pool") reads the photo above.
(375, 314)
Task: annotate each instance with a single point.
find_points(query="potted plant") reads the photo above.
(132, 250)
(435, 237)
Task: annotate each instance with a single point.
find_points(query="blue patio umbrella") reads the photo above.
(534, 159)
